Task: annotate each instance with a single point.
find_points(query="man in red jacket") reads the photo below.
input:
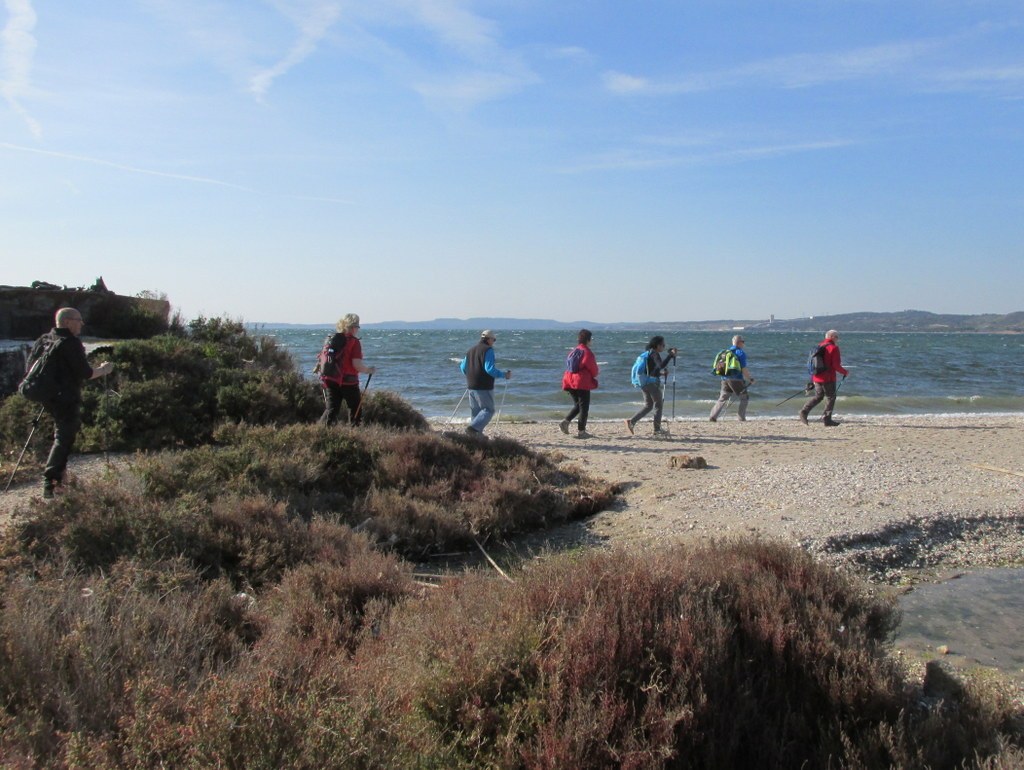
(825, 382)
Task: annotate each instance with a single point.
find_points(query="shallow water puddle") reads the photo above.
(978, 616)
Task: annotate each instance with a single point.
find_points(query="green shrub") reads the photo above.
(383, 408)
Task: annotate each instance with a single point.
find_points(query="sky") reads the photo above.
(296, 160)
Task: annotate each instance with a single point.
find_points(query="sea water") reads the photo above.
(890, 374)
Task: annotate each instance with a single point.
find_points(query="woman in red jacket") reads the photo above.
(579, 379)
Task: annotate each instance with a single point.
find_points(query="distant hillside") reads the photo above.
(902, 321)
(906, 321)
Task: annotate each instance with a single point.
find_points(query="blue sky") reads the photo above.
(294, 160)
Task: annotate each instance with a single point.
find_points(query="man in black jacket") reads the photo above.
(71, 369)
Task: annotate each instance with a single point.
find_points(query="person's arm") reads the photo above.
(590, 363)
(359, 366)
(102, 370)
(490, 368)
(837, 361)
(462, 364)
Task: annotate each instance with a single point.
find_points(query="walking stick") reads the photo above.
(497, 417)
(798, 393)
(673, 388)
(359, 406)
(17, 465)
(449, 423)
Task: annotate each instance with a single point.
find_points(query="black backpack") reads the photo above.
(816, 361)
(40, 382)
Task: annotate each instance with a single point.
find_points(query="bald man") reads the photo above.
(71, 369)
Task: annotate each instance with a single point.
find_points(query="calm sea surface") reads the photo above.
(890, 374)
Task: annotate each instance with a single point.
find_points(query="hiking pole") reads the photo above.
(803, 392)
(359, 406)
(673, 388)
(35, 424)
(497, 417)
(449, 423)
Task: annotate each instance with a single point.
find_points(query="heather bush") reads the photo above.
(414, 492)
(383, 408)
(69, 647)
(742, 654)
(737, 655)
(249, 540)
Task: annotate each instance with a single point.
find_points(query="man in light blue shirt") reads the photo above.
(735, 382)
(481, 372)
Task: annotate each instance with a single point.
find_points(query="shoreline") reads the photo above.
(888, 496)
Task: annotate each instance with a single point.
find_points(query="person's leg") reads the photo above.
(332, 403)
(66, 422)
(474, 404)
(813, 401)
(830, 401)
(723, 399)
(575, 396)
(583, 403)
(351, 395)
(659, 402)
(485, 411)
(648, 406)
(741, 388)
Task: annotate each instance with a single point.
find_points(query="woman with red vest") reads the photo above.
(579, 379)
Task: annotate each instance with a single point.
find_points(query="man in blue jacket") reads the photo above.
(480, 371)
(734, 383)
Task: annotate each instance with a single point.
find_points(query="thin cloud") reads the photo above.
(17, 51)
(162, 174)
(453, 24)
(123, 167)
(314, 22)
(797, 71)
(642, 159)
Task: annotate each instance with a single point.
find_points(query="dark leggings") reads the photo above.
(580, 406)
(333, 396)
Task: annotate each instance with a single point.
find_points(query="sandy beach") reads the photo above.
(888, 493)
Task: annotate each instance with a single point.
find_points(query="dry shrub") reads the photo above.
(734, 655)
(388, 410)
(251, 541)
(69, 647)
(420, 492)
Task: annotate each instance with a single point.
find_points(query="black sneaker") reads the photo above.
(830, 423)
(48, 486)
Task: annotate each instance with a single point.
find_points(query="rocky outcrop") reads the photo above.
(26, 313)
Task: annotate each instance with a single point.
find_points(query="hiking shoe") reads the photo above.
(48, 490)
(803, 418)
(584, 434)
(662, 433)
(564, 427)
(629, 427)
(830, 423)
(712, 419)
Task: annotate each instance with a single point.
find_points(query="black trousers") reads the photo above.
(580, 406)
(67, 419)
(334, 395)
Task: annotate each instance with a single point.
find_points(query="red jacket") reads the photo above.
(586, 377)
(833, 361)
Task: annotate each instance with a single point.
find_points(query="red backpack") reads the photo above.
(328, 362)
